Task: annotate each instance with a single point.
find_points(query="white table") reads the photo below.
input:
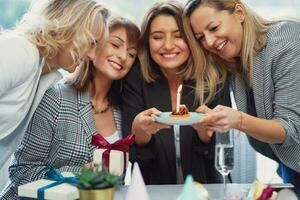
(171, 192)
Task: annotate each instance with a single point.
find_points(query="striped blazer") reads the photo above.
(58, 135)
(276, 88)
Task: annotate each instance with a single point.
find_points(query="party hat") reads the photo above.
(137, 189)
(189, 190)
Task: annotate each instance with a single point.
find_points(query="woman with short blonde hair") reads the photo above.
(53, 34)
(50, 24)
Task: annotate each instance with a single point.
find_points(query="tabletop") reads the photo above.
(171, 192)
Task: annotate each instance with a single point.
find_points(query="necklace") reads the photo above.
(98, 111)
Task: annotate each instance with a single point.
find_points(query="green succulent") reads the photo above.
(95, 178)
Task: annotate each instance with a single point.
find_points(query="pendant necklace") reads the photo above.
(98, 111)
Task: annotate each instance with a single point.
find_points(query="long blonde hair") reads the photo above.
(50, 24)
(215, 68)
(171, 8)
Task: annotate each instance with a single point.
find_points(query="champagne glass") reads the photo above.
(224, 154)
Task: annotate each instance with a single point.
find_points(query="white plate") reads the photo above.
(165, 118)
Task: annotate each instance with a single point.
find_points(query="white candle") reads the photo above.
(178, 97)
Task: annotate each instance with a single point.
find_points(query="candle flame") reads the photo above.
(179, 88)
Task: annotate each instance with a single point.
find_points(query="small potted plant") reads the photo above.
(95, 183)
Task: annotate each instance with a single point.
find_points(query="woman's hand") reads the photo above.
(144, 126)
(221, 118)
(205, 133)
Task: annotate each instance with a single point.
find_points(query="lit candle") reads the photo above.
(178, 97)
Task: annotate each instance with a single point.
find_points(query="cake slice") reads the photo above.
(183, 112)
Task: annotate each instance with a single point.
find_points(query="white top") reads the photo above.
(21, 89)
(19, 77)
(113, 138)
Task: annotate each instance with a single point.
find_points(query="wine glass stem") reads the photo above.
(224, 184)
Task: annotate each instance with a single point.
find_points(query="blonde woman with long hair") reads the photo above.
(261, 58)
(53, 34)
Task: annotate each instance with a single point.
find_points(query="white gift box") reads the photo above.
(62, 191)
(116, 160)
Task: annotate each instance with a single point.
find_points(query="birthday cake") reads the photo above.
(183, 112)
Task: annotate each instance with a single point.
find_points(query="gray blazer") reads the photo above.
(58, 135)
(276, 88)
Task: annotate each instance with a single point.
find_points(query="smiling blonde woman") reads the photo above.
(261, 59)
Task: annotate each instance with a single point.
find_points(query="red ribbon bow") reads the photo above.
(120, 145)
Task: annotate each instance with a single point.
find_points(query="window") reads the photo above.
(12, 11)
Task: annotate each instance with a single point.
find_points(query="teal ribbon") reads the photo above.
(56, 176)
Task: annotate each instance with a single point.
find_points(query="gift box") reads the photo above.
(113, 157)
(118, 160)
(60, 190)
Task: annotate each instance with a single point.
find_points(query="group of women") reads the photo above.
(208, 46)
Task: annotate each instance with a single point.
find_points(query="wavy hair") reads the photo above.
(132, 33)
(50, 24)
(214, 68)
(171, 8)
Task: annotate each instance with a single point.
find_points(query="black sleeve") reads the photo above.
(223, 95)
(132, 104)
(132, 98)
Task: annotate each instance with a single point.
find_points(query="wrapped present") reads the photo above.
(113, 157)
(54, 186)
(118, 161)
